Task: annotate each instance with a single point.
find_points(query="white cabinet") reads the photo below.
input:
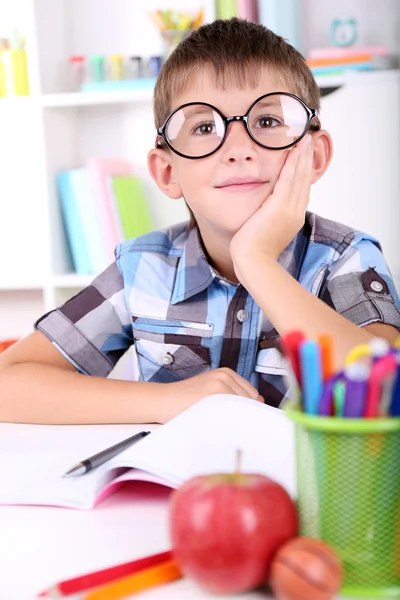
(362, 185)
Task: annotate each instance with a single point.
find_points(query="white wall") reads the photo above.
(378, 21)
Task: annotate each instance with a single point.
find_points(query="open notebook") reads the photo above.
(202, 439)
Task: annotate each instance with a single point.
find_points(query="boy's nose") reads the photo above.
(238, 145)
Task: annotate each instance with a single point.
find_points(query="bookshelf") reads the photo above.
(61, 129)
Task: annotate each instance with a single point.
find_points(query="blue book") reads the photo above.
(89, 218)
(283, 18)
(73, 224)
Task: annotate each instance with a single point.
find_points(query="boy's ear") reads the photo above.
(323, 151)
(160, 168)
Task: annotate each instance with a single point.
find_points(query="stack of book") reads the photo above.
(336, 61)
(102, 204)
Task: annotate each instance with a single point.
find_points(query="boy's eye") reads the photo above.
(267, 122)
(204, 128)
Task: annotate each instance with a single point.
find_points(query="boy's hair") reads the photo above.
(236, 50)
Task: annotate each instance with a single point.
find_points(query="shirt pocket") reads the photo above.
(270, 361)
(170, 351)
(271, 367)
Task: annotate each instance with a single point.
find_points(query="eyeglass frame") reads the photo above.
(311, 112)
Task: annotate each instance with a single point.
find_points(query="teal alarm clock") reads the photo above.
(343, 32)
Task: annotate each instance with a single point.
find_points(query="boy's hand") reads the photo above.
(176, 397)
(270, 230)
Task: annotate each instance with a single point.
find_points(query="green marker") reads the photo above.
(339, 393)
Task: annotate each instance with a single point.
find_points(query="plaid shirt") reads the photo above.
(162, 300)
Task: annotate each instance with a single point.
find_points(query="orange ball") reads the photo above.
(305, 569)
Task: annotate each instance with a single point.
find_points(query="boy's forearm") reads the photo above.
(39, 393)
(289, 306)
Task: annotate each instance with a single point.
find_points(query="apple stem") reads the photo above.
(238, 462)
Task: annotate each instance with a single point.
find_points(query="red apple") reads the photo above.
(226, 528)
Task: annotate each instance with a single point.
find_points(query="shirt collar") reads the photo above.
(194, 273)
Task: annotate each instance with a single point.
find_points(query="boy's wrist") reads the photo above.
(252, 264)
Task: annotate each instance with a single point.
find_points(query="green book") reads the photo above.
(132, 205)
(226, 9)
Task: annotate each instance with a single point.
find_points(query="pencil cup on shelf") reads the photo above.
(348, 485)
(173, 37)
(14, 72)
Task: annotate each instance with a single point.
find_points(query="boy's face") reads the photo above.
(220, 207)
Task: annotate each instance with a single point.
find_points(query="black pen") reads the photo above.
(101, 457)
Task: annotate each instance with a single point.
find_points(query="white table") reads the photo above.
(40, 546)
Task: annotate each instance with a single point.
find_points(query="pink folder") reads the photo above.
(100, 171)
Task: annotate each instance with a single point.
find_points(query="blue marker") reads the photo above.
(356, 378)
(395, 405)
(311, 375)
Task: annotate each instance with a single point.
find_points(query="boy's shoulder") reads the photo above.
(167, 241)
(334, 235)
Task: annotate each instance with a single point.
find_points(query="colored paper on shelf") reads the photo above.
(132, 205)
(89, 216)
(72, 224)
(334, 70)
(100, 171)
(336, 52)
(343, 60)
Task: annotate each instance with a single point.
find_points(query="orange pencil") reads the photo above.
(199, 19)
(148, 578)
(326, 343)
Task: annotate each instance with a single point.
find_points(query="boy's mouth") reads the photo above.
(241, 184)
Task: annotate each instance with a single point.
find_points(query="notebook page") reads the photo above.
(33, 459)
(205, 437)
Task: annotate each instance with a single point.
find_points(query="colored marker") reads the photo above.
(326, 343)
(326, 403)
(311, 375)
(339, 395)
(395, 404)
(375, 349)
(379, 348)
(290, 345)
(382, 367)
(356, 353)
(356, 382)
(386, 395)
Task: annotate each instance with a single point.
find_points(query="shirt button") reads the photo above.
(376, 286)
(168, 359)
(242, 315)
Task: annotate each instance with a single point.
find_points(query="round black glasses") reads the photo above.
(274, 121)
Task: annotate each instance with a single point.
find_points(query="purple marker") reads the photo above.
(356, 378)
(326, 402)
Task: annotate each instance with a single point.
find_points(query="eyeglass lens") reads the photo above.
(275, 121)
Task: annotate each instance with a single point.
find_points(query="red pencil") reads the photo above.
(98, 578)
(290, 346)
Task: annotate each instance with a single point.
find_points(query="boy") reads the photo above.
(200, 307)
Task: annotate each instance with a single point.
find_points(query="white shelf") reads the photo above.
(92, 98)
(378, 75)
